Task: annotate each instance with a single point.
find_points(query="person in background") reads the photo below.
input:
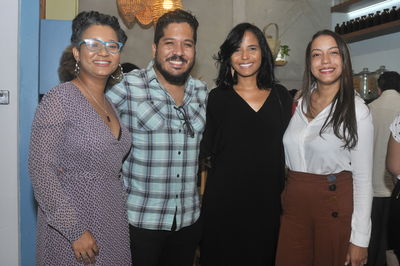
(393, 165)
(128, 67)
(164, 109)
(247, 114)
(76, 152)
(383, 110)
(328, 149)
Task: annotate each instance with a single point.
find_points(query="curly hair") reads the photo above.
(176, 16)
(342, 115)
(86, 19)
(80, 23)
(265, 76)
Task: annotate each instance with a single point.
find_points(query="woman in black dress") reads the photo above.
(247, 115)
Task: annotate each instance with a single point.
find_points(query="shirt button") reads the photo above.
(176, 196)
(179, 152)
(180, 130)
(177, 175)
(335, 214)
(332, 187)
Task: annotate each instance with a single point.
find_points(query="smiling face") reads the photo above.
(174, 55)
(246, 60)
(100, 64)
(326, 61)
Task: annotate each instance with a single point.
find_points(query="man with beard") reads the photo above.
(164, 109)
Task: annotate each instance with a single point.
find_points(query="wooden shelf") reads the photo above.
(352, 5)
(379, 30)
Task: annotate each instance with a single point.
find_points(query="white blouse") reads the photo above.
(307, 151)
(395, 129)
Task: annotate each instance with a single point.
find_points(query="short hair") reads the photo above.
(389, 80)
(175, 16)
(85, 19)
(265, 75)
(342, 115)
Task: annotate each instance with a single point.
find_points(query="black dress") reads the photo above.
(241, 205)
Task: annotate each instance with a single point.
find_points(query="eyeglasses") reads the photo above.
(180, 111)
(95, 45)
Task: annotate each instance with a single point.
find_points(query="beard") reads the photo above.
(179, 79)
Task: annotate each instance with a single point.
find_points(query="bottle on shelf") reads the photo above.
(370, 20)
(337, 29)
(349, 25)
(393, 13)
(377, 18)
(343, 28)
(385, 16)
(363, 22)
(356, 24)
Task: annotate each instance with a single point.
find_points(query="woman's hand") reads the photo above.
(85, 248)
(356, 256)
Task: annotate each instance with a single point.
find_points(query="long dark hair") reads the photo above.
(265, 76)
(342, 115)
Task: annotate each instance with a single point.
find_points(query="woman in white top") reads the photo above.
(328, 150)
(393, 165)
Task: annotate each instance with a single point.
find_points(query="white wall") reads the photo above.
(372, 53)
(9, 247)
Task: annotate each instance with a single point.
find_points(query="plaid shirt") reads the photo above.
(160, 171)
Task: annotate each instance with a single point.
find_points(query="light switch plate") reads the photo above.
(4, 97)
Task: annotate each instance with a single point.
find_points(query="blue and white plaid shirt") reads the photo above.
(160, 171)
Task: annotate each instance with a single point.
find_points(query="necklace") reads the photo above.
(94, 99)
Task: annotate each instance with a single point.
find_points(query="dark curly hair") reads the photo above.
(265, 76)
(80, 23)
(176, 16)
(86, 19)
(342, 115)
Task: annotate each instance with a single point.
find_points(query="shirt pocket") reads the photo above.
(197, 114)
(149, 115)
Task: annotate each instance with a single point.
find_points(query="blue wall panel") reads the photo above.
(54, 38)
(28, 99)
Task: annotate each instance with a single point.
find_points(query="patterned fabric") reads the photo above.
(395, 128)
(161, 169)
(74, 164)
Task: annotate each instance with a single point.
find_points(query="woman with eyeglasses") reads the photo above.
(246, 116)
(77, 148)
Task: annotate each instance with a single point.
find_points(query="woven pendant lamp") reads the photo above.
(144, 16)
(128, 10)
(160, 7)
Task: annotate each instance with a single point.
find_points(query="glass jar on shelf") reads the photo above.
(365, 84)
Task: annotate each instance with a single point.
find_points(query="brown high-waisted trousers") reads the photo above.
(316, 221)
